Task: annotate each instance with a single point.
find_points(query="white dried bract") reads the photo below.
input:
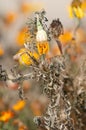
(41, 36)
(41, 33)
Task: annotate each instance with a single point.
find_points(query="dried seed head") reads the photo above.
(56, 28)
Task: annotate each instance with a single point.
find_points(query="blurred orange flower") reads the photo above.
(19, 105)
(10, 17)
(6, 116)
(66, 37)
(22, 36)
(1, 51)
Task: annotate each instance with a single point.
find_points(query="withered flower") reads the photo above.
(56, 28)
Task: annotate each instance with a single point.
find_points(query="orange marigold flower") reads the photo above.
(43, 47)
(6, 116)
(19, 105)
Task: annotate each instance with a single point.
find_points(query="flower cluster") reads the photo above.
(39, 40)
